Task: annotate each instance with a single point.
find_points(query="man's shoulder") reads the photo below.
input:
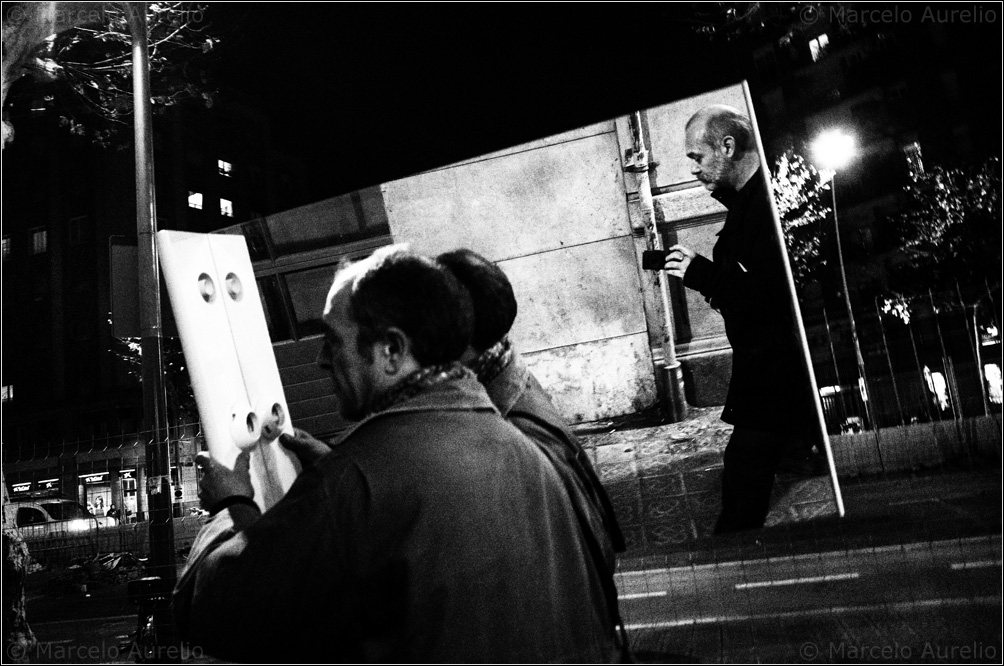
(507, 387)
(403, 431)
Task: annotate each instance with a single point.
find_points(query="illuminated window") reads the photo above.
(8, 392)
(6, 247)
(938, 387)
(995, 383)
(818, 46)
(225, 167)
(195, 200)
(914, 160)
(39, 241)
(226, 208)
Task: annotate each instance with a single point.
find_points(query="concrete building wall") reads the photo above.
(687, 214)
(557, 214)
(553, 213)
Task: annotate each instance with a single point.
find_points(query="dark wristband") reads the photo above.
(227, 502)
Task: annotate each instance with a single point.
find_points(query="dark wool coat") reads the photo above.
(521, 399)
(746, 282)
(433, 532)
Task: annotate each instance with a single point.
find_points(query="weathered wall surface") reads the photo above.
(688, 215)
(553, 213)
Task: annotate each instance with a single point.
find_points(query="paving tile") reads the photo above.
(661, 486)
(611, 472)
(664, 508)
(656, 466)
(669, 533)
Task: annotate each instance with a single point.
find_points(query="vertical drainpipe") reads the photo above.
(674, 402)
(154, 397)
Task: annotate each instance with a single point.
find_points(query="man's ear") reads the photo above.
(729, 147)
(394, 350)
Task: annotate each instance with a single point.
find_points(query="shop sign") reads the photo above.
(48, 484)
(97, 477)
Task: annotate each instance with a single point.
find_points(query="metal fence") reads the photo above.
(934, 358)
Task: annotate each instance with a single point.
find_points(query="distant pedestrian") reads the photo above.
(113, 512)
(523, 401)
(769, 401)
(514, 389)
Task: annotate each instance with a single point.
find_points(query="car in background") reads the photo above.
(41, 517)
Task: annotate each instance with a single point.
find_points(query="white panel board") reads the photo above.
(234, 376)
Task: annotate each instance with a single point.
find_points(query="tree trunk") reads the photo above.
(19, 642)
(26, 26)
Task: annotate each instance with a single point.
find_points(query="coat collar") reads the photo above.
(733, 198)
(463, 394)
(739, 200)
(506, 388)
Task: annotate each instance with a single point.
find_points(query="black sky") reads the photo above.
(366, 93)
(369, 93)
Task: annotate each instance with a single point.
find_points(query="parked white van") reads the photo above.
(38, 517)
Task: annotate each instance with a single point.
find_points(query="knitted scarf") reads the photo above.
(492, 361)
(417, 382)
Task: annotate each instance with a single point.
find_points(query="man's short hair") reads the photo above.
(395, 287)
(491, 295)
(721, 121)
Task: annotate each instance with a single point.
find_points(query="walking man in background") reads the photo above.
(768, 401)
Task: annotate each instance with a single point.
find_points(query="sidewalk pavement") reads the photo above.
(664, 481)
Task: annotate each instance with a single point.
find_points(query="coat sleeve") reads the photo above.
(253, 585)
(748, 276)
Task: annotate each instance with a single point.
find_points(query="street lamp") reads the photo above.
(832, 150)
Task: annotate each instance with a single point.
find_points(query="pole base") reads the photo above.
(674, 402)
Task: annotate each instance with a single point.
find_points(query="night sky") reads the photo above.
(365, 94)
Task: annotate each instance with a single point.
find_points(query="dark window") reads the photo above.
(39, 241)
(81, 230)
(28, 516)
(65, 510)
(269, 290)
(307, 292)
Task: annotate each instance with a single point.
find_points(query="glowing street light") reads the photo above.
(833, 150)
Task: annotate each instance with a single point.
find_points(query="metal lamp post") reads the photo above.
(832, 151)
(154, 397)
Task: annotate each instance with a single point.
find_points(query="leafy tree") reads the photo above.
(950, 226)
(803, 204)
(177, 383)
(80, 55)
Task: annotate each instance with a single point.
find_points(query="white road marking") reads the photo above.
(981, 564)
(798, 581)
(993, 539)
(643, 595)
(908, 605)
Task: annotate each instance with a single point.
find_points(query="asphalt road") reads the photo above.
(924, 574)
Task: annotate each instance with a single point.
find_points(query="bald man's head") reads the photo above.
(720, 143)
